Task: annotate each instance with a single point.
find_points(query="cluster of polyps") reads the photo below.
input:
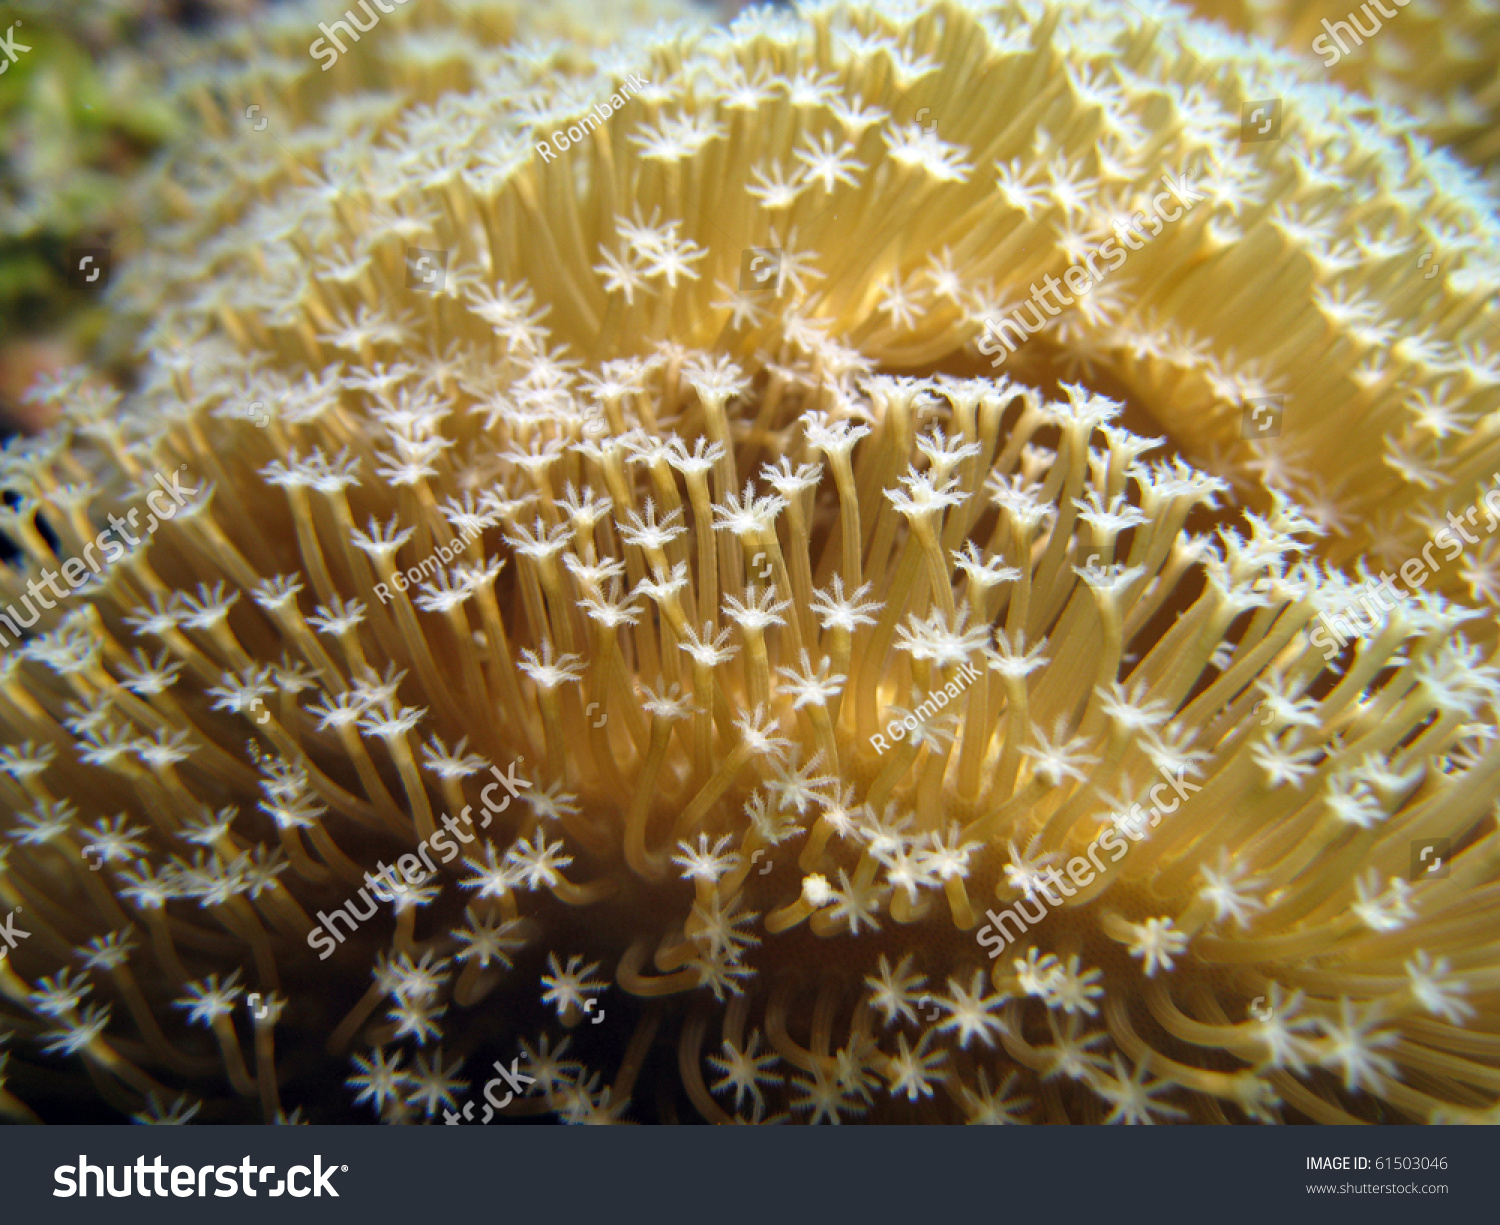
(747, 607)
(745, 549)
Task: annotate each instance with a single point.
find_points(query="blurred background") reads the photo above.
(82, 109)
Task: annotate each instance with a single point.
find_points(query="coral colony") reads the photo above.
(656, 745)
